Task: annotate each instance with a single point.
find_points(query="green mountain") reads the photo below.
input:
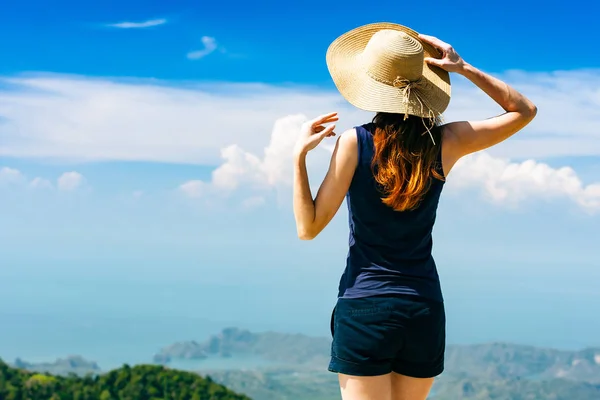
(142, 382)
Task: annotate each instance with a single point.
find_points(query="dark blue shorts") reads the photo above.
(378, 335)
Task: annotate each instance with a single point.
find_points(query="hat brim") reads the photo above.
(365, 93)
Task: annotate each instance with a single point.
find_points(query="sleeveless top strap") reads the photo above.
(439, 167)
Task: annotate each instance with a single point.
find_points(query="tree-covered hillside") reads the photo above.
(147, 382)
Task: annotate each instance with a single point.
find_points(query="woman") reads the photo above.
(388, 325)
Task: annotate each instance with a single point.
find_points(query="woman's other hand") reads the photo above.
(451, 61)
(314, 131)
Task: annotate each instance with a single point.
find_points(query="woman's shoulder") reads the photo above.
(349, 137)
(364, 132)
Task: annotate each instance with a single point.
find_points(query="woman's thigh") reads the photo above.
(408, 388)
(366, 387)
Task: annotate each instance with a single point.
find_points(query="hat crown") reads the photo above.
(392, 54)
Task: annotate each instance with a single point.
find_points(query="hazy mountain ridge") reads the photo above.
(62, 366)
(320, 385)
(515, 389)
(507, 361)
(487, 361)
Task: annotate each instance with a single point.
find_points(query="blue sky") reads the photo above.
(145, 164)
(70, 36)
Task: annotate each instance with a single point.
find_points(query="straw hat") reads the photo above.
(380, 67)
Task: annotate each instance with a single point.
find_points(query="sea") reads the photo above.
(117, 321)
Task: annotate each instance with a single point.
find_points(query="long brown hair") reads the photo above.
(405, 158)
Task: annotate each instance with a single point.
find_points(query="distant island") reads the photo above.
(273, 346)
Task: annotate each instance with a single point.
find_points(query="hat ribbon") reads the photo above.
(405, 88)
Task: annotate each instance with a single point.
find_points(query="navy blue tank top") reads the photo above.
(390, 251)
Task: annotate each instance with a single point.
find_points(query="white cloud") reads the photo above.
(502, 182)
(10, 176)
(210, 45)
(228, 124)
(94, 119)
(272, 168)
(67, 181)
(512, 183)
(89, 119)
(40, 183)
(253, 202)
(193, 189)
(138, 25)
(568, 113)
(70, 181)
(241, 169)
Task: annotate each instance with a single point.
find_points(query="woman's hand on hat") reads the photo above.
(450, 61)
(313, 132)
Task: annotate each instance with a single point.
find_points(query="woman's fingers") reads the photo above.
(434, 61)
(319, 128)
(435, 42)
(328, 131)
(325, 118)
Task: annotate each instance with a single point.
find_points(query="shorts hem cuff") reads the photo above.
(419, 372)
(349, 368)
